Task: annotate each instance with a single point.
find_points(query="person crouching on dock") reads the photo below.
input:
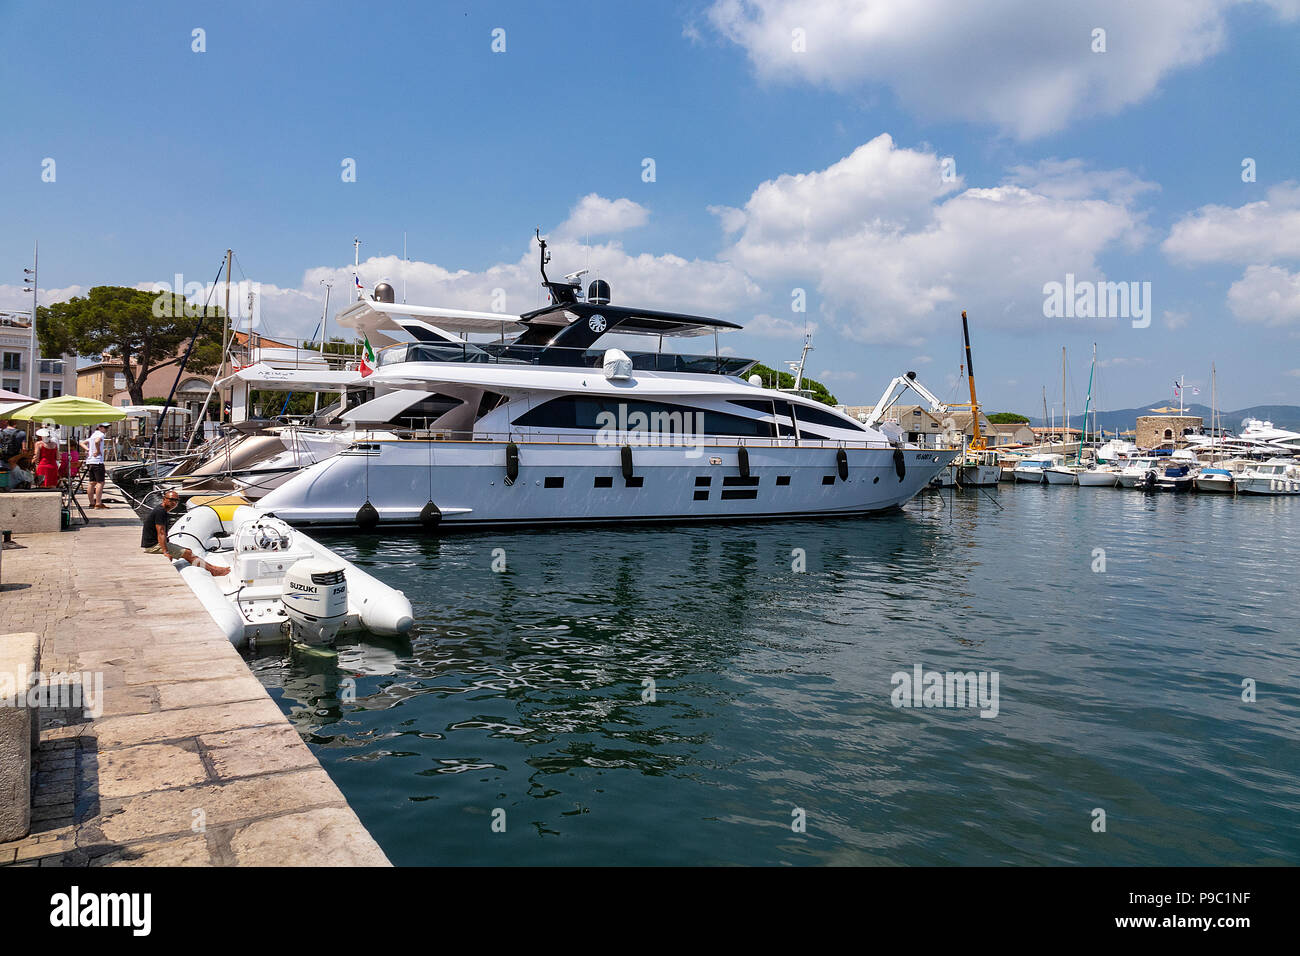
(154, 539)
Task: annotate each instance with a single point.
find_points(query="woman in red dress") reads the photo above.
(47, 460)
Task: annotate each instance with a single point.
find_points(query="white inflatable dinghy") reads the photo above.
(283, 585)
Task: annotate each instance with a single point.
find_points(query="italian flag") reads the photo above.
(367, 358)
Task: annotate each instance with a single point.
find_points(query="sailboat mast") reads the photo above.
(1079, 457)
(1065, 409)
(1214, 408)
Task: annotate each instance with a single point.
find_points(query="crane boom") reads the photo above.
(977, 440)
(895, 391)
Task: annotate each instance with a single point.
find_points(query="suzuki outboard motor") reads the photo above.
(315, 599)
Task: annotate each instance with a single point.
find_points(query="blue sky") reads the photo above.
(775, 169)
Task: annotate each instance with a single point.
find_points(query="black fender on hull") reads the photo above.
(512, 462)
(367, 517)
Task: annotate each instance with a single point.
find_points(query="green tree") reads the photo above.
(145, 331)
(774, 379)
(1007, 418)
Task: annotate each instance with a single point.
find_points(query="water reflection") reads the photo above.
(672, 692)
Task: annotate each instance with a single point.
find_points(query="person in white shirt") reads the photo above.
(94, 446)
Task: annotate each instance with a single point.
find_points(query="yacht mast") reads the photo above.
(1065, 409)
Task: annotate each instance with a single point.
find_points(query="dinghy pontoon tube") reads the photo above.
(282, 582)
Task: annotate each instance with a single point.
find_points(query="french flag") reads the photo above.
(357, 280)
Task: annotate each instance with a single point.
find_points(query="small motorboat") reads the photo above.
(1277, 476)
(1169, 478)
(1099, 476)
(979, 469)
(1133, 475)
(1215, 480)
(283, 585)
(1031, 469)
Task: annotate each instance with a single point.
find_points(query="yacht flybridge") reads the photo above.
(543, 425)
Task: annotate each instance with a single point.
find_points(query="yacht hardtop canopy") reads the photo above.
(374, 318)
(263, 376)
(624, 319)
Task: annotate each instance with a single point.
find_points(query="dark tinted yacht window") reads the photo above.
(425, 411)
(359, 396)
(819, 417)
(573, 411)
(489, 401)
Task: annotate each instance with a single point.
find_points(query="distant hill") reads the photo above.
(1125, 419)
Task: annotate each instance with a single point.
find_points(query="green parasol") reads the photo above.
(69, 410)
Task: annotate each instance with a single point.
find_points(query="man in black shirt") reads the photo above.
(154, 537)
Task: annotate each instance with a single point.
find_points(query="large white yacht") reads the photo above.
(1256, 437)
(542, 426)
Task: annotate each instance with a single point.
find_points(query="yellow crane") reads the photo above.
(977, 442)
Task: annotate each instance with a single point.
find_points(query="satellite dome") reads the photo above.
(384, 293)
(598, 292)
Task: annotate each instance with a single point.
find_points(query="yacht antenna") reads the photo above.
(545, 256)
(797, 367)
(562, 293)
(356, 264)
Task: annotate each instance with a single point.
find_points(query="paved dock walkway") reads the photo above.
(190, 763)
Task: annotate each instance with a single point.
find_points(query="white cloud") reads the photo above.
(731, 219)
(664, 281)
(1269, 295)
(597, 216)
(833, 375)
(922, 360)
(1256, 232)
(1072, 179)
(771, 327)
(1120, 361)
(17, 298)
(894, 255)
(1023, 65)
(1293, 372)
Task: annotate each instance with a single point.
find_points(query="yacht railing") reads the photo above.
(506, 353)
(634, 439)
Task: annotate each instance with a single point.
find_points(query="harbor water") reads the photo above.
(726, 694)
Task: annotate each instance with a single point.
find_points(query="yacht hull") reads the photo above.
(585, 483)
(1059, 476)
(1098, 479)
(1272, 485)
(1033, 476)
(1220, 484)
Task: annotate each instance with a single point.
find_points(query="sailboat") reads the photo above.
(1218, 476)
(979, 466)
(1064, 474)
(1100, 474)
